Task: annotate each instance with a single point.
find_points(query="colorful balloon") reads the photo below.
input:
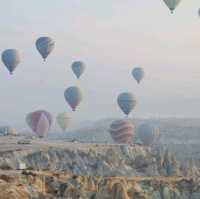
(138, 74)
(147, 133)
(11, 59)
(11, 131)
(73, 96)
(78, 67)
(8, 130)
(172, 4)
(45, 45)
(40, 122)
(126, 102)
(121, 131)
(63, 120)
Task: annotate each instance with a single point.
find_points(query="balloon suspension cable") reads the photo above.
(78, 81)
(126, 117)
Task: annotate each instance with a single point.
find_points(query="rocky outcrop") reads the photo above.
(60, 185)
(168, 164)
(93, 159)
(98, 160)
(45, 169)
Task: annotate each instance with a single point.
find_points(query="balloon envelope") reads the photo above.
(126, 102)
(121, 131)
(78, 67)
(138, 74)
(172, 4)
(45, 45)
(63, 120)
(73, 96)
(8, 130)
(40, 122)
(147, 133)
(11, 59)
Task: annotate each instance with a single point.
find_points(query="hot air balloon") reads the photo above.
(45, 45)
(172, 4)
(199, 12)
(11, 131)
(11, 59)
(121, 131)
(147, 133)
(63, 120)
(8, 130)
(138, 74)
(73, 96)
(126, 102)
(40, 122)
(78, 67)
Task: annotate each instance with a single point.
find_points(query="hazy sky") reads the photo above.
(111, 36)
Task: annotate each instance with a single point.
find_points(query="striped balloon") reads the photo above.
(40, 122)
(121, 131)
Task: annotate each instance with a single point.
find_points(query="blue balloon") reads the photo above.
(45, 45)
(126, 102)
(138, 74)
(148, 133)
(73, 96)
(11, 59)
(78, 67)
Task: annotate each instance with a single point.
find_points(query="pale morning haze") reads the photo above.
(111, 37)
(100, 99)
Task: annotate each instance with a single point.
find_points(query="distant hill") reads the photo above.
(173, 130)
